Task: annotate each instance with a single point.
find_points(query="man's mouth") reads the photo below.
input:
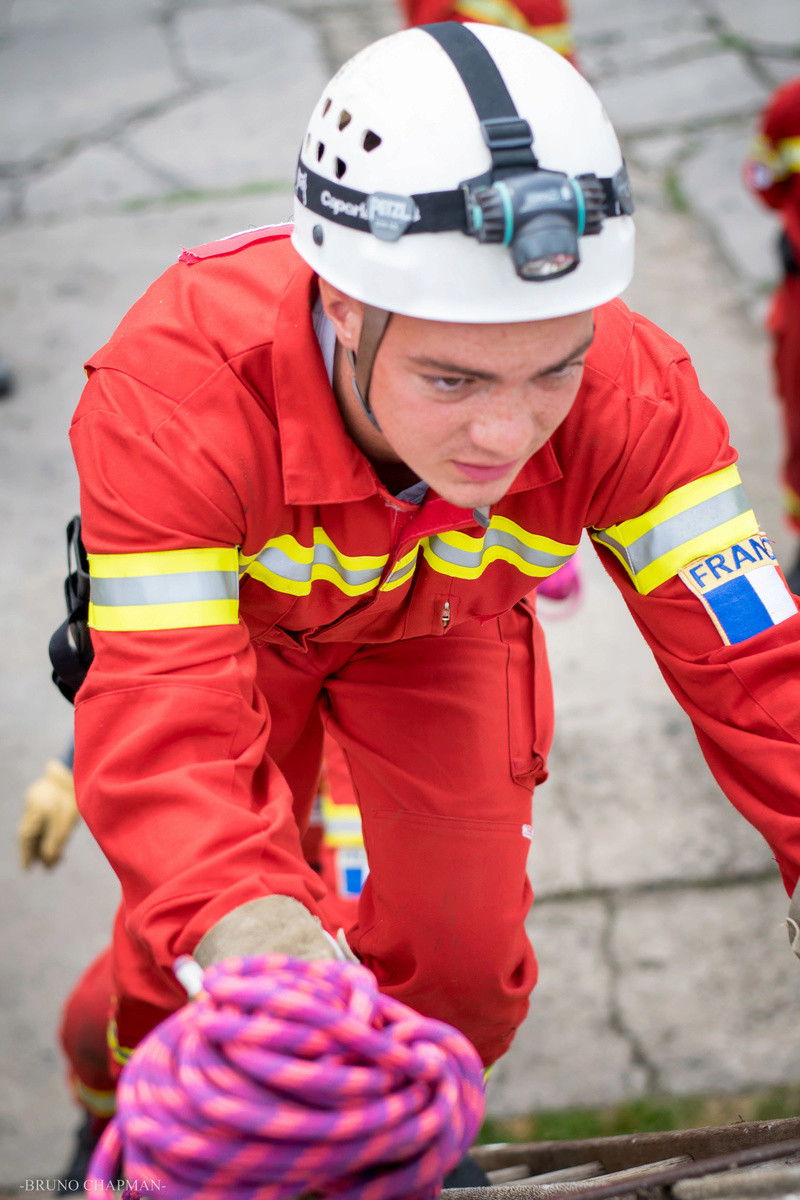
(484, 473)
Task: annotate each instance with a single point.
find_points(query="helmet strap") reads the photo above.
(361, 362)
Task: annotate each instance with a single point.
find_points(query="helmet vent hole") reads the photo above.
(370, 141)
(340, 168)
(326, 108)
(320, 151)
(344, 119)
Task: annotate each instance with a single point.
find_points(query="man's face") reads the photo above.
(465, 406)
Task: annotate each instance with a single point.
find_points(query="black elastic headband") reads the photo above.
(506, 133)
(389, 216)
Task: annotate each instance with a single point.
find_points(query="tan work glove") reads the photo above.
(268, 925)
(48, 816)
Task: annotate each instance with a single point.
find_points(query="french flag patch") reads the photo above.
(741, 588)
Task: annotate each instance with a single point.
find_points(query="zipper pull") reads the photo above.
(446, 614)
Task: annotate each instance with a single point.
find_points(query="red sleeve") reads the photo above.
(171, 771)
(743, 698)
(743, 701)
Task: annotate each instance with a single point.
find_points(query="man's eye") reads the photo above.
(565, 371)
(446, 383)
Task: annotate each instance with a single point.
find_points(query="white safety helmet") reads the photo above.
(464, 173)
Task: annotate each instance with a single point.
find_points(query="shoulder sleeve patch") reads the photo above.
(741, 588)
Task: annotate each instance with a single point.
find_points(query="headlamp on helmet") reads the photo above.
(539, 215)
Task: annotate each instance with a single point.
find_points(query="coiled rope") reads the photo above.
(286, 1079)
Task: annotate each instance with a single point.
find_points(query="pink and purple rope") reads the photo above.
(286, 1079)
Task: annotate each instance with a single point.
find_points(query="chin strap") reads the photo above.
(372, 330)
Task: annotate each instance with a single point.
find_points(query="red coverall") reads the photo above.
(773, 174)
(209, 442)
(82, 1035)
(547, 20)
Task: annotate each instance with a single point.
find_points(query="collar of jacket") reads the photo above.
(321, 463)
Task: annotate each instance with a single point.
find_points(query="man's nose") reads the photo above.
(504, 427)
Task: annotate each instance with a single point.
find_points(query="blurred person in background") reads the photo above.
(547, 20)
(772, 172)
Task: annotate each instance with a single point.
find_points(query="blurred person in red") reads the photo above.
(772, 173)
(547, 20)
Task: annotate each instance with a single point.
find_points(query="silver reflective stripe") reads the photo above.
(496, 537)
(181, 588)
(279, 563)
(340, 825)
(676, 531)
(401, 571)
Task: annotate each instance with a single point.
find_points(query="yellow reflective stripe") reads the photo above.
(402, 570)
(762, 151)
(745, 525)
(191, 615)
(679, 501)
(493, 12)
(163, 562)
(502, 12)
(168, 589)
(781, 158)
(342, 823)
(101, 1104)
(690, 522)
(120, 1054)
(461, 556)
(787, 153)
(791, 502)
(287, 566)
(557, 37)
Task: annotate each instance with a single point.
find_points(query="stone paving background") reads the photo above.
(129, 128)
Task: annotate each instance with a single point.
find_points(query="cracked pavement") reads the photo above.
(133, 127)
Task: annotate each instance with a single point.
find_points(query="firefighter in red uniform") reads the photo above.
(322, 467)
(773, 174)
(333, 840)
(547, 20)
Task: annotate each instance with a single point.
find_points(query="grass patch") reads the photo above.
(675, 193)
(646, 1114)
(733, 41)
(199, 195)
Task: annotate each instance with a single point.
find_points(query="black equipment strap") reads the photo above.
(506, 133)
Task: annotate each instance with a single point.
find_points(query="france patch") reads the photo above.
(741, 588)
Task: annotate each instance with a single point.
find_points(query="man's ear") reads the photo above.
(345, 314)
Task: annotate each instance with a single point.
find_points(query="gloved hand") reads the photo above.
(268, 925)
(48, 816)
